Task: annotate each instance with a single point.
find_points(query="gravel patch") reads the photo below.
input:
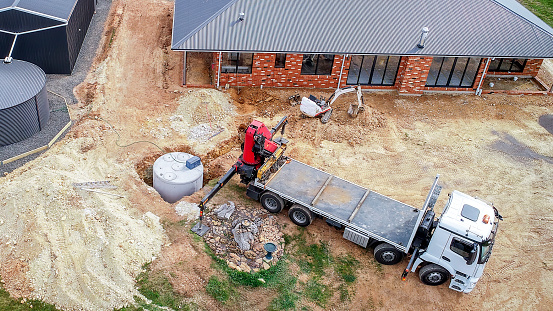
(62, 85)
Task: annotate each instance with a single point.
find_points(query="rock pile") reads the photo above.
(238, 234)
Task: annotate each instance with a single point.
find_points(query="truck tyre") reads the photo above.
(271, 202)
(387, 254)
(433, 275)
(300, 215)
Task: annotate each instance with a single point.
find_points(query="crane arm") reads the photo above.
(220, 184)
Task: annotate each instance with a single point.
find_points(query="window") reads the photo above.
(453, 71)
(463, 248)
(237, 63)
(280, 60)
(373, 70)
(317, 64)
(507, 64)
(470, 212)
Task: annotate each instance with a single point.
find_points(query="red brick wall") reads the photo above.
(410, 80)
(264, 73)
(413, 77)
(532, 67)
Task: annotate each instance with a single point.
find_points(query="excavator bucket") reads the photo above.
(294, 99)
(354, 109)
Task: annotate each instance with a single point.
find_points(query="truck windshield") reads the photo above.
(487, 245)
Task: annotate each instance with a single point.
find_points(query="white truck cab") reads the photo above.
(460, 245)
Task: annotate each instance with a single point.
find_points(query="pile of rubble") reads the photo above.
(238, 234)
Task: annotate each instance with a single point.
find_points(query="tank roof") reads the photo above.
(20, 81)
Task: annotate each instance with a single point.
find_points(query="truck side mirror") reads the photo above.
(472, 254)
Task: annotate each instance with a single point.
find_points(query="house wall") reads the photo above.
(413, 76)
(264, 73)
(410, 79)
(531, 69)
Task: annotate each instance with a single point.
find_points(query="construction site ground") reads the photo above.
(83, 250)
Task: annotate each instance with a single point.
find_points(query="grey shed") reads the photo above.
(48, 33)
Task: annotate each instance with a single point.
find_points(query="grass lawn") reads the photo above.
(542, 8)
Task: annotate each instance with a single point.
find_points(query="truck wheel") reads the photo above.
(387, 254)
(300, 215)
(433, 275)
(271, 202)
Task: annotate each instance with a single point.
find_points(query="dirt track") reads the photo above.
(83, 250)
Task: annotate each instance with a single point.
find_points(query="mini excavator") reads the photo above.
(262, 154)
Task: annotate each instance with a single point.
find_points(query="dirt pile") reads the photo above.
(76, 249)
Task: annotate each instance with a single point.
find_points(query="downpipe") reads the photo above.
(479, 88)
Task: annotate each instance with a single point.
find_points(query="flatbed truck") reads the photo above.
(454, 246)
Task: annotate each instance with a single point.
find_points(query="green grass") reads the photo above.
(346, 267)
(542, 8)
(315, 258)
(220, 289)
(9, 303)
(317, 292)
(344, 291)
(156, 287)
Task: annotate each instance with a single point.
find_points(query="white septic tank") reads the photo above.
(177, 174)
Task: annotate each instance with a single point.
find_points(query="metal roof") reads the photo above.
(20, 81)
(54, 9)
(497, 28)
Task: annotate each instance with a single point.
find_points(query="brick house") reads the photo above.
(409, 46)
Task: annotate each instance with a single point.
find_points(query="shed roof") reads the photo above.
(496, 28)
(53, 9)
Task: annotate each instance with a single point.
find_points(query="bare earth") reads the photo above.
(83, 250)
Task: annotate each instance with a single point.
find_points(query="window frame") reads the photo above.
(278, 63)
(513, 60)
(234, 59)
(316, 73)
(372, 70)
(471, 249)
(452, 72)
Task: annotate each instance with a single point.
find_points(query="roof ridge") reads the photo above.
(207, 21)
(550, 32)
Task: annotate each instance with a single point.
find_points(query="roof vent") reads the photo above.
(241, 16)
(424, 34)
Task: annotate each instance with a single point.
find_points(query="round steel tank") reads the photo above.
(176, 175)
(24, 109)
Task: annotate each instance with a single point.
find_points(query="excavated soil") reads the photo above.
(82, 250)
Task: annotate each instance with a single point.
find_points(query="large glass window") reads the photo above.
(453, 71)
(237, 63)
(373, 70)
(280, 60)
(507, 64)
(317, 64)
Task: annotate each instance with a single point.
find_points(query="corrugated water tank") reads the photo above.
(176, 175)
(24, 108)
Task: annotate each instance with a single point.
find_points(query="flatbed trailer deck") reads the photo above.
(363, 212)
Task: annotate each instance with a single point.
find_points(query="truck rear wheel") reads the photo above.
(300, 215)
(271, 202)
(433, 275)
(387, 254)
